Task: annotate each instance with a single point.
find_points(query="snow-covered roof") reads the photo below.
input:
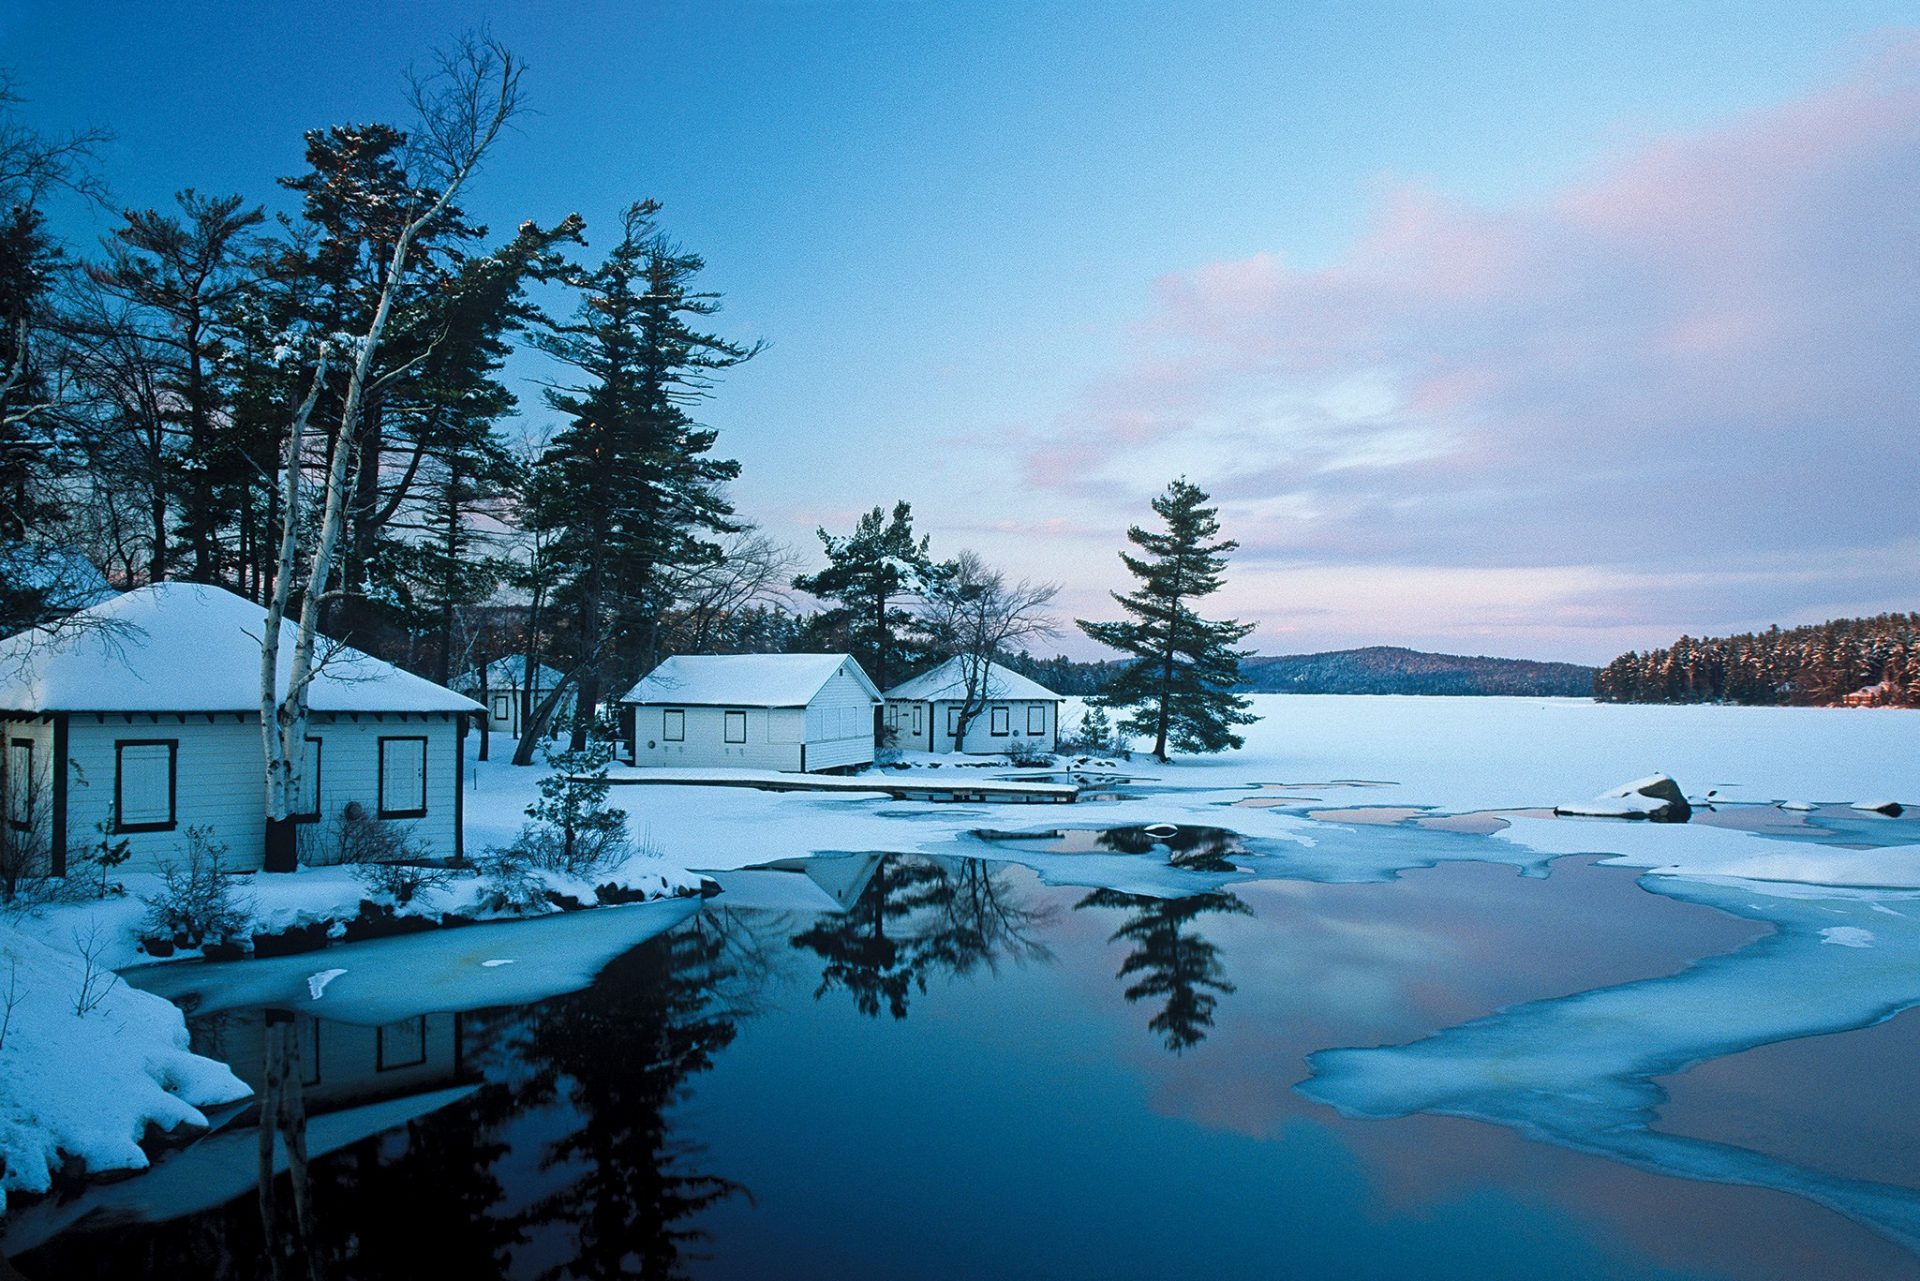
(504, 673)
(948, 681)
(744, 680)
(184, 647)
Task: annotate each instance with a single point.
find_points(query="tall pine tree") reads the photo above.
(1179, 688)
(627, 487)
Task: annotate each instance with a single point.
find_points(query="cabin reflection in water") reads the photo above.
(338, 1065)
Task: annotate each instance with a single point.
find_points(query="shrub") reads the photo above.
(107, 854)
(196, 903)
(403, 880)
(1029, 755)
(359, 837)
(510, 882)
(574, 830)
(1094, 733)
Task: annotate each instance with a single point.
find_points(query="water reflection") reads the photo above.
(1171, 962)
(911, 917)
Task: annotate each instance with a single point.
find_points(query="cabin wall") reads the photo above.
(33, 790)
(1039, 734)
(840, 724)
(219, 780)
(773, 738)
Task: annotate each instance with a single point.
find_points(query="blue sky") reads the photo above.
(1019, 262)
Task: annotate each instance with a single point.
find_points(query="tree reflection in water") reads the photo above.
(1192, 849)
(1170, 962)
(581, 1087)
(918, 916)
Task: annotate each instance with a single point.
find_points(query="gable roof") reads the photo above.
(947, 682)
(744, 680)
(185, 647)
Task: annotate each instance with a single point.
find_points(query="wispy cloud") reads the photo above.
(1694, 375)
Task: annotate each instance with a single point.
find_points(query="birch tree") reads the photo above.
(971, 614)
(462, 105)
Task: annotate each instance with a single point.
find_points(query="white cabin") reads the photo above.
(501, 689)
(1020, 713)
(140, 718)
(795, 712)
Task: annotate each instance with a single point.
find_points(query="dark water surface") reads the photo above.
(903, 1067)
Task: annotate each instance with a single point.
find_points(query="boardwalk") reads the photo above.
(903, 786)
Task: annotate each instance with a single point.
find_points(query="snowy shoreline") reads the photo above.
(122, 1074)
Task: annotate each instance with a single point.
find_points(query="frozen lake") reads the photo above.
(1350, 1002)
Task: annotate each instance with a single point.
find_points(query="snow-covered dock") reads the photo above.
(899, 786)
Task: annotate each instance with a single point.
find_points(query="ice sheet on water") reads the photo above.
(385, 980)
(1580, 1070)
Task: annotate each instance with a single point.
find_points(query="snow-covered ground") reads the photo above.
(1307, 754)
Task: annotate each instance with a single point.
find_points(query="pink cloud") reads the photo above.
(1705, 354)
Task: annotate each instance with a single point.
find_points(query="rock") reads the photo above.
(1798, 807)
(1892, 809)
(1656, 798)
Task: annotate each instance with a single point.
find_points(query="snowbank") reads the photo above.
(82, 1091)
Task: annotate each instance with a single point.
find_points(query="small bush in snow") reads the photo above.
(511, 883)
(24, 865)
(1094, 733)
(196, 903)
(359, 837)
(106, 854)
(574, 830)
(1029, 755)
(402, 881)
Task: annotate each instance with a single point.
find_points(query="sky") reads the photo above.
(1502, 328)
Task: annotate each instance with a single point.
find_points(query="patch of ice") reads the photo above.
(317, 983)
(1847, 936)
(488, 965)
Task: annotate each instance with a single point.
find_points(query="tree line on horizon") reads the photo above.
(1811, 666)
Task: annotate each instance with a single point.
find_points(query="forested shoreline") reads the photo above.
(1877, 659)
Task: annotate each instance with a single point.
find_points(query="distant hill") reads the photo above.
(1389, 669)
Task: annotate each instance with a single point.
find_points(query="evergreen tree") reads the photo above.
(628, 488)
(1179, 687)
(869, 575)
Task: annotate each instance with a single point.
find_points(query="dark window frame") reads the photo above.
(667, 726)
(953, 720)
(173, 784)
(381, 1063)
(7, 783)
(380, 784)
(502, 706)
(1041, 708)
(319, 772)
(1002, 716)
(726, 726)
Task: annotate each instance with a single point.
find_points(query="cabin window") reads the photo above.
(736, 727)
(953, 720)
(143, 783)
(403, 777)
(916, 721)
(18, 776)
(503, 707)
(674, 730)
(307, 807)
(1002, 721)
(400, 1045)
(1036, 718)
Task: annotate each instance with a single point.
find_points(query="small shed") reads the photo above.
(1020, 713)
(503, 690)
(139, 718)
(795, 712)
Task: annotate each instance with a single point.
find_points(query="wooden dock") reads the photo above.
(902, 787)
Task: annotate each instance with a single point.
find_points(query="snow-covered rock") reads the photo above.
(1798, 807)
(1892, 809)
(1656, 797)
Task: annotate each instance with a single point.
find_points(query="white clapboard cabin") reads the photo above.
(503, 692)
(1020, 713)
(796, 712)
(140, 718)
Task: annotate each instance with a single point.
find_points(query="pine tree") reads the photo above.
(627, 488)
(1179, 688)
(868, 575)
